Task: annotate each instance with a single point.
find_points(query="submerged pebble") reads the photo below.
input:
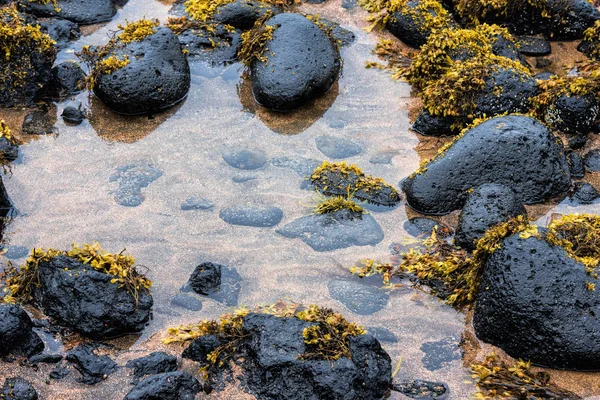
(248, 159)
(197, 203)
(440, 353)
(187, 301)
(357, 297)
(247, 215)
(423, 390)
(132, 178)
(334, 147)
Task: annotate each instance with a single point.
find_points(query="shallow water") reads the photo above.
(64, 193)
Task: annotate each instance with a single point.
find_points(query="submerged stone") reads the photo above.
(166, 386)
(534, 304)
(186, 301)
(382, 334)
(302, 63)
(247, 159)
(93, 367)
(38, 123)
(515, 151)
(334, 231)
(421, 227)
(132, 178)
(152, 364)
(16, 332)
(256, 216)
(440, 353)
(360, 298)
(383, 157)
(83, 12)
(197, 203)
(334, 147)
(72, 115)
(228, 291)
(18, 389)
(67, 79)
(206, 278)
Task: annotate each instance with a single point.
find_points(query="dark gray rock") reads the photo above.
(533, 303)
(515, 151)
(440, 353)
(16, 252)
(72, 115)
(152, 364)
(423, 390)
(517, 90)
(186, 301)
(576, 165)
(543, 76)
(166, 386)
(384, 157)
(422, 227)
(535, 46)
(197, 203)
(93, 368)
(256, 216)
(157, 76)
(247, 159)
(302, 63)
(334, 147)
(433, 125)
(5, 204)
(132, 178)
(577, 142)
(334, 231)
(488, 205)
(62, 31)
(67, 79)
(45, 358)
(242, 14)
(218, 46)
(229, 287)
(349, 4)
(358, 297)
(584, 193)
(9, 150)
(570, 18)
(85, 300)
(504, 47)
(409, 26)
(83, 12)
(16, 332)
(573, 114)
(592, 160)
(18, 389)
(206, 278)
(38, 123)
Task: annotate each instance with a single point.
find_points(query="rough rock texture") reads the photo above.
(218, 46)
(534, 46)
(273, 370)
(517, 90)
(303, 63)
(5, 203)
(62, 31)
(516, 151)
(85, 300)
(166, 386)
(38, 123)
(592, 160)
(584, 193)
(334, 231)
(423, 390)
(433, 125)
(570, 18)
(206, 278)
(16, 332)
(157, 76)
(9, 151)
(576, 165)
(407, 28)
(488, 205)
(242, 14)
(67, 79)
(18, 389)
(93, 367)
(573, 114)
(152, 364)
(72, 115)
(533, 303)
(358, 297)
(83, 12)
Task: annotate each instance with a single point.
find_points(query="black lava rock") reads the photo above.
(507, 48)
(570, 18)
(5, 203)
(256, 216)
(45, 358)
(38, 123)
(422, 228)
(533, 303)
(303, 63)
(16, 332)
(573, 114)
(334, 231)
(86, 300)
(576, 165)
(167, 386)
(584, 193)
(577, 142)
(18, 389)
(67, 79)
(228, 291)
(93, 368)
(515, 151)
(152, 364)
(517, 90)
(409, 27)
(73, 115)
(535, 46)
(83, 12)
(423, 390)
(218, 45)
(62, 31)
(488, 205)
(199, 349)
(242, 14)
(592, 160)
(433, 125)
(206, 278)
(157, 76)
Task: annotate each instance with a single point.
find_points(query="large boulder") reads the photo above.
(516, 151)
(300, 63)
(488, 205)
(156, 77)
(83, 12)
(86, 300)
(16, 332)
(534, 304)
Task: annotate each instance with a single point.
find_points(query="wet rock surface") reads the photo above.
(85, 300)
(18, 389)
(433, 125)
(229, 289)
(9, 150)
(535, 46)
(255, 216)
(247, 159)
(68, 79)
(38, 123)
(218, 45)
(584, 193)
(517, 90)
(156, 77)
(206, 278)
(16, 332)
(242, 14)
(488, 205)
(409, 26)
(570, 18)
(440, 353)
(83, 12)
(61, 31)
(576, 165)
(303, 63)
(591, 160)
(423, 390)
(421, 227)
(72, 115)
(166, 386)
(152, 364)
(132, 178)
(358, 297)
(334, 231)
(336, 148)
(573, 114)
(516, 151)
(93, 366)
(533, 303)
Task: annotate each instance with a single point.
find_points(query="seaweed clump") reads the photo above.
(476, 11)
(496, 380)
(338, 203)
(326, 339)
(137, 31)
(254, 42)
(204, 10)
(591, 41)
(429, 15)
(19, 283)
(6, 133)
(44, 2)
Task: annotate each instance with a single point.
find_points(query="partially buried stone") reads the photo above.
(152, 364)
(248, 159)
(186, 301)
(422, 227)
(18, 389)
(60, 30)
(38, 123)
(440, 353)
(93, 368)
(206, 278)
(166, 386)
(255, 216)
(197, 203)
(72, 115)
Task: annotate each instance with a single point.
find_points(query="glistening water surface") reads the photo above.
(122, 181)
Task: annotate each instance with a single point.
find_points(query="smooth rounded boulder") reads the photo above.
(300, 62)
(516, 151)
(82, 12)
